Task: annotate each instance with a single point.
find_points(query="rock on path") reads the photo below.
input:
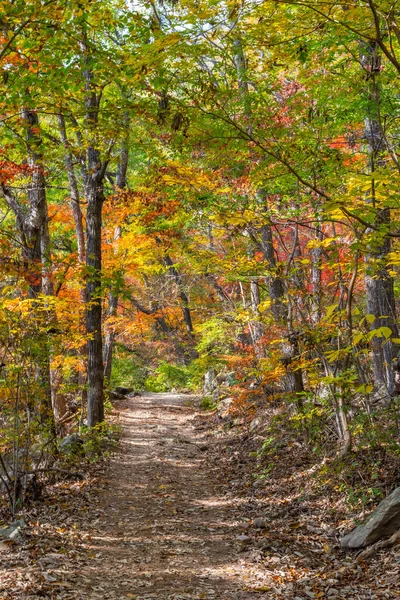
(161, 528)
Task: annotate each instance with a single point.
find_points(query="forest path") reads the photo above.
(160, 527)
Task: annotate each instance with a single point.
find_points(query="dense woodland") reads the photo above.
(199, 189)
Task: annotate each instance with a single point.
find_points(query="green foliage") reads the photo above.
(168, 377)
(207, 403)
(357, 498)
(128, 370)
(100, 440)
(216, 336)
(358, 477)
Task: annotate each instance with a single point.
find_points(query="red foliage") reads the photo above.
(9, 170)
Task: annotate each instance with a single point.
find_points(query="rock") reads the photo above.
(230, 378)
(258, 483)
(224, 408)
(384, 521)
(243, 538)
(226, 379)
(380, 397)
(123, 391)
(260, 523)
(12, 531)
(32, 487)
(72, 444)
(209, 382)
(116, 396)
(275, 559)
(254, 424)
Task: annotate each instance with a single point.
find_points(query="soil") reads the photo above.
(178, 512)
(154, 524)
(164, 530)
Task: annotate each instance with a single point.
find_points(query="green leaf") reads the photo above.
(370, 318)
(386, 332)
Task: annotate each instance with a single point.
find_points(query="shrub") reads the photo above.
(168, 377)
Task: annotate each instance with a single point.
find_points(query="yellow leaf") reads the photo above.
(327, 549)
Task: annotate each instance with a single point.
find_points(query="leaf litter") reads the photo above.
(174, 514)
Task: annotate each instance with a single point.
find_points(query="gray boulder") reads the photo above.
(123, 391)
(260, 523)
(383, 522)
(223, 408)
(12, 531)
(71, 444)
(209, 382)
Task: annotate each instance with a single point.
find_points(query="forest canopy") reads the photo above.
(193, 189)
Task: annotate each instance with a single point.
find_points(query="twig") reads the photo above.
(76, 474)
(5, 469)
(394, 539)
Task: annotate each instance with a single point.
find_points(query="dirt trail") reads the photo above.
(161, 529)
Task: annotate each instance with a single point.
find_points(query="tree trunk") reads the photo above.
(94, 184)
(182, 294)
(378, 281)
(110, 337)
(316, 263)
(282, 312)
(79, 379)
(110, 332)
(74, 191)
(95, 370)
(276, 285)
(32, 224)
(120, 184)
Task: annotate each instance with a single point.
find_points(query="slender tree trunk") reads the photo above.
(34, 230)
(187, 317)
(184, 304)
(74, 191)
(282, 311)
(379, 283)
(79, 379)
(316, 263)
(276, 285)
(120, 184)
(109, 338)
(95, 369)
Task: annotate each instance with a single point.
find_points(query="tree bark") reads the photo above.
(74, 190)
(95, 370)
(32, 224)
(316, 263)
(379, 283)
(276, 285)
(120, 184)
(94, 187)
(181, 292)
(109, 338)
